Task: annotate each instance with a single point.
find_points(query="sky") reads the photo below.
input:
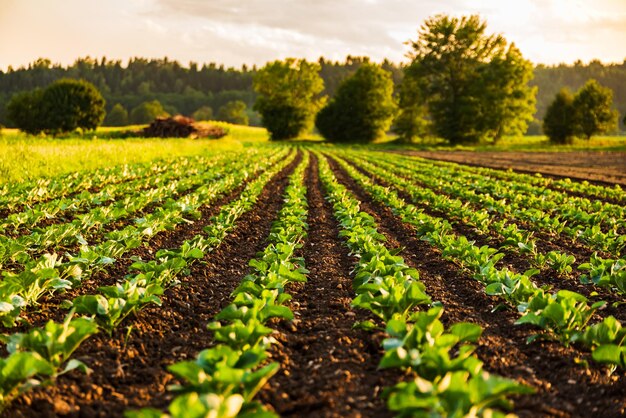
(236, 32)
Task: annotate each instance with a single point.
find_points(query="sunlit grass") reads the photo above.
(25, 157)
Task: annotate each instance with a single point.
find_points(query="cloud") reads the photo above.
(256, 31)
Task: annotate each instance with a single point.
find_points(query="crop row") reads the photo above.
(224, 379)
(448, 379)
(609, 273)
(42, 354)
(564, 315)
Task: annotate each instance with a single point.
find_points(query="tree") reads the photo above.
(118, 116)
(233, 112)
(26, 111)
(412, 119)
(362, 109)
(72, 104)
(147, 112)
(593, 105)
(203, 113)
(473, 84)
(509, 101)
(559, 123)
(288, 96)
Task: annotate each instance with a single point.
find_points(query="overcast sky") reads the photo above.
(235, 32)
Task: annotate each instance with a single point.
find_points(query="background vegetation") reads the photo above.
(186, 88)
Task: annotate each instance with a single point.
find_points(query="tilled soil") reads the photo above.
(328, 369)
(564, 387)
(129, 367)
(605, 167)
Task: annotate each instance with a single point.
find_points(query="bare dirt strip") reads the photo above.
(605, 167)
(328, 369)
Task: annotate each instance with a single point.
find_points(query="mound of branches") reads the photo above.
(181, 127)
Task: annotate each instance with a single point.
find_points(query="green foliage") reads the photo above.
(362, 109)
(593, 104)
(473, 84)
(233, 112)
(288, 96)
(64, 106)
(147, 112)
(55, 343)
(412, 121)
(118, 116)
(17, 372)
(26, 111)
(203, 113)
(72, 104)
(559, 124)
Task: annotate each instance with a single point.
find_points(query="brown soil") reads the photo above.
(516, 261)
(596, 166)
(327, 368)
(129, 368)
(564, 387)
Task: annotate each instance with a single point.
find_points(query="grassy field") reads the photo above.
(24, 158)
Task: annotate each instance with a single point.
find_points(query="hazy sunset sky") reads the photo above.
(235, 32)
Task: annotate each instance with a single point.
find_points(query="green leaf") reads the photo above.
(466, 331)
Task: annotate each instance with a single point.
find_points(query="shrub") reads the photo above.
(147, 112)
(362, 109)
(64, 106)
(233, 112)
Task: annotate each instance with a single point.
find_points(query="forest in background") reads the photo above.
(184, 89)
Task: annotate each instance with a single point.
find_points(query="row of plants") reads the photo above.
(224, 379)
(86, 226)
(147, 279)
(600, 228)
(583, 188)
(446, 378)
(51, 272)
(40, 355)
(599, 224)
(609, 273)
(563, 315)
(16, 196)
(59, 209)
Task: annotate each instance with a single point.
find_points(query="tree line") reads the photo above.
(462, 84)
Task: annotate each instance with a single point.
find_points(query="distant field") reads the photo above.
(602, 166)
(25, 157)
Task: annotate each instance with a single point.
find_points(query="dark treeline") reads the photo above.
(184, 89)
(550, 79)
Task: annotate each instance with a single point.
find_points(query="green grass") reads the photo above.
(25, 157)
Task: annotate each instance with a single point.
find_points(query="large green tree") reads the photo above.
(559, 123)
(593, 105)
(474, 85)
(362, 109)
(72, 104)
(288, 96)
(63, 106)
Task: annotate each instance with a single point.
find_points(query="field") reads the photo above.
(311, 281)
